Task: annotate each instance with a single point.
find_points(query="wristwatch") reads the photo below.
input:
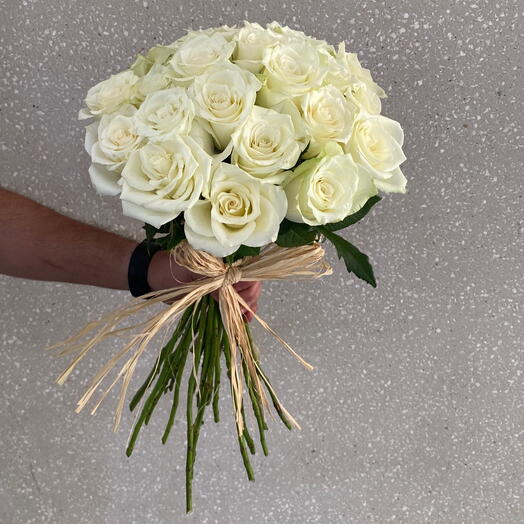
(139, 266)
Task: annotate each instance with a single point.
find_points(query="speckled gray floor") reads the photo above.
(414, 411)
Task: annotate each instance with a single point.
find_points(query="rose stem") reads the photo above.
(207, 352)
(167, 374)
(276, 402)
(255, 403)
(147, 408)
(216, 387)
(176, 392)
(152, 399)
(158, 364)
(245, 459)
(189, 409)
(246, 435)
(241, 443)
(256, 357)
(206, 375)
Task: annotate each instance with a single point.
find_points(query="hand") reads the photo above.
(164, 273)
(250, 292)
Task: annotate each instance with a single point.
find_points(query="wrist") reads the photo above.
(122, 255)
(138, 269)
(164, 273)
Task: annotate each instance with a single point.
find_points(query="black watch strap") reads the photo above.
(139, 266)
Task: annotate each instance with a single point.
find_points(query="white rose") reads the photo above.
(158, 55)
(111, 141)
(251, 42)
(287, 107)
(328, 188)
(165, 114)
(292, 70)
(202, 137)
(285, 34)
(328, 116)
(110, 95)
(197, 53)
(161, 180)
(224, 97)
(224, 31)
(376, 143)
(346, 73)
(360, 94)
(266, 145)
(240, 210)
(159, 77)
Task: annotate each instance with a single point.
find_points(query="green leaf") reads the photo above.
(293, 234)
(174, 238)
(245, 251)
(355, 217)
(151, 231)
(355, 261)
(172, 234)
(167, 227)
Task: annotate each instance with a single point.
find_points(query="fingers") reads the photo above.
(250, 293)
(248, 315)
(244, 284)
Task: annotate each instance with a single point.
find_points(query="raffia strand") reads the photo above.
(273, 263)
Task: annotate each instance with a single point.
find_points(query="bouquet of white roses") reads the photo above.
(240, 149)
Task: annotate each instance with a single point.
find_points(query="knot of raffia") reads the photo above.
(232, 275)
(273, 263)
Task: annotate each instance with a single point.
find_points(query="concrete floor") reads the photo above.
(414, 410)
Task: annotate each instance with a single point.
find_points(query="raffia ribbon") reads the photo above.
(273, 263)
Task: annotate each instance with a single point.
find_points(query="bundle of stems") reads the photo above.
(199, 342)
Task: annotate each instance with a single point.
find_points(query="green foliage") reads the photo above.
(293, 234)
(168, 235)
(356, 261)
(245, 251)
(355, 217)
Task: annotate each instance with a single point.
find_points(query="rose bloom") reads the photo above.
(159, 77)
(111, 140)
(165, 114)
(225, 31)
(156, 56)
(251, 42)
(266, 145)
(376, 143)
(196, 53)
(350, 65)
(328, 188)
(291, 70)
(285, 34)
(328, 116)
(224, 98)
(110, 95)
(346, 73)
(161, 180)
(240, 210)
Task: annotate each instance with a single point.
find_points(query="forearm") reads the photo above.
(41, 244)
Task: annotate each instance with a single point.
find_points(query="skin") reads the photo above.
(41, 244)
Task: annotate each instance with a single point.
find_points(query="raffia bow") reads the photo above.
(273, 263)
